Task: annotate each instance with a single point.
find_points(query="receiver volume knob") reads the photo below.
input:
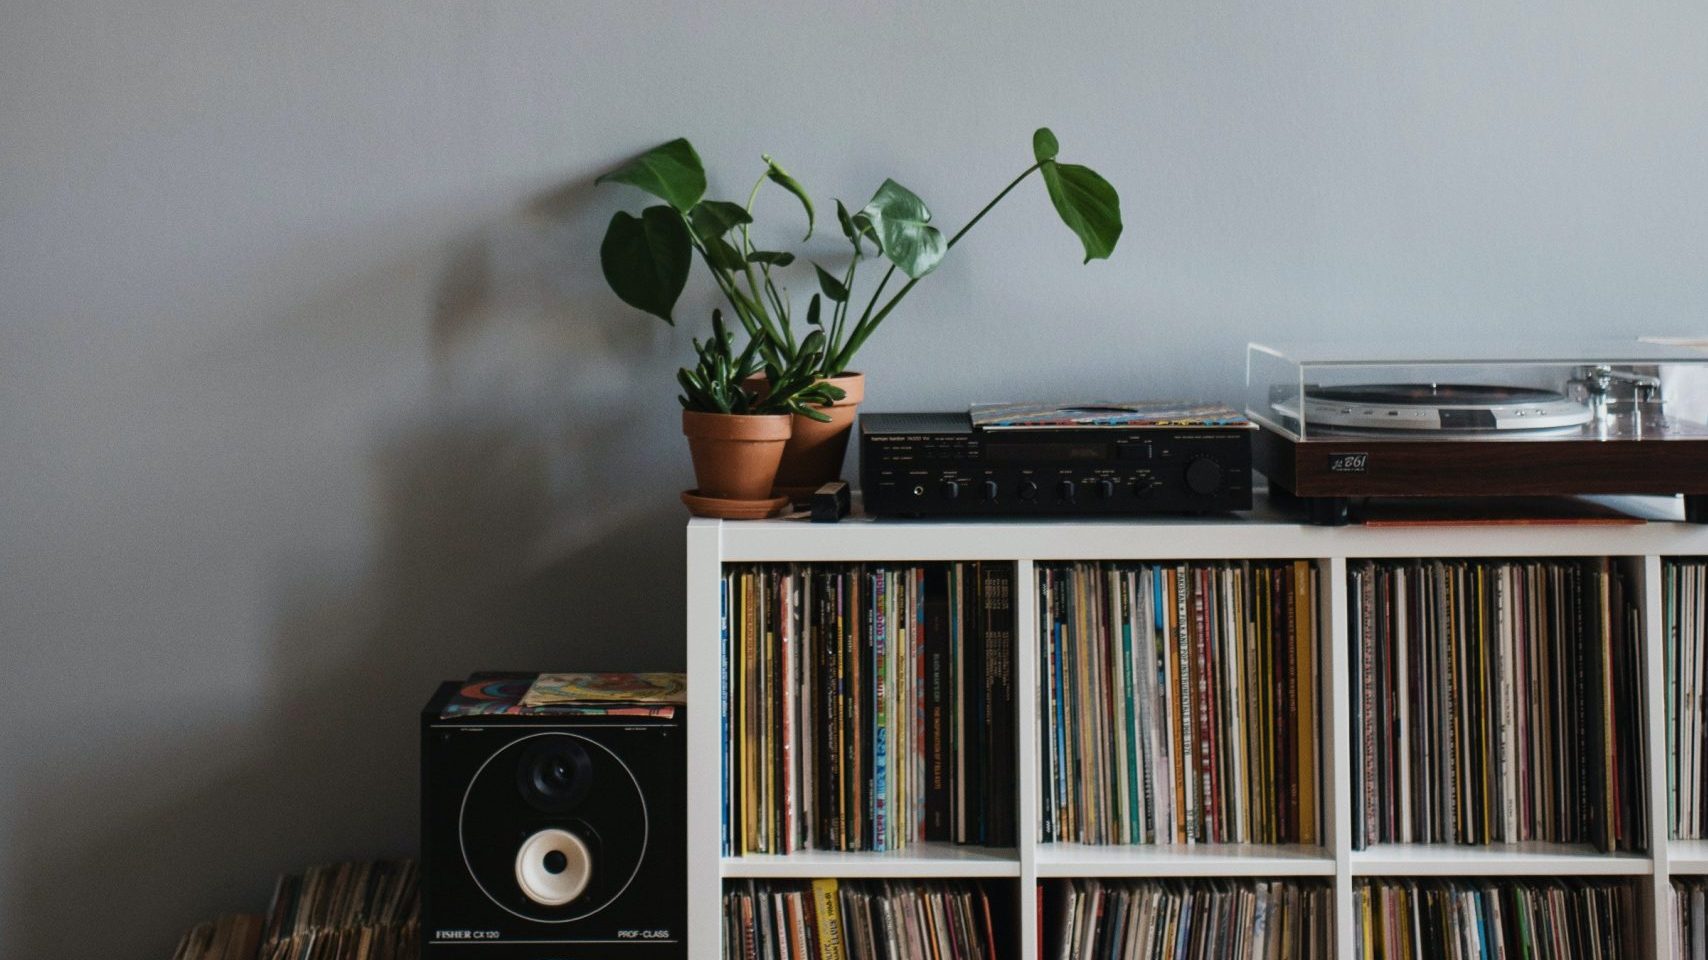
(1203, 476)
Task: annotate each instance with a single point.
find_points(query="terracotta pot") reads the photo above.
(814, 454)
(735, 457)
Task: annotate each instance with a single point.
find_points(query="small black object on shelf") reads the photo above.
(830, 502)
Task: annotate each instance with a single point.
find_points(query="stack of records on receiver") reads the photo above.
(1190, 920)
(1497, 702)
(867, 707)
(346, 911)
(858, 920)
(1180, 703)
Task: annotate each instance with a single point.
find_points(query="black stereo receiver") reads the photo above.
(951, 464)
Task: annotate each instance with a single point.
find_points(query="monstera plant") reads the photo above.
(647, 257)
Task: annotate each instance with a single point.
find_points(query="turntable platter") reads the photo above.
(1437, 407)
(1434, 394)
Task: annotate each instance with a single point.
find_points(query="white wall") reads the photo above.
(311, 394)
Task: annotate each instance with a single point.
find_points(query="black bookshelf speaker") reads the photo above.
(553, 837)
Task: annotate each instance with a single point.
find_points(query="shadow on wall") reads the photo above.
(525, 518)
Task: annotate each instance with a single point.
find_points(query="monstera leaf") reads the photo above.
(1085, 201)
(898, 221)
(672, 172)
(714, 218)
(645, 259)
(1044, 145)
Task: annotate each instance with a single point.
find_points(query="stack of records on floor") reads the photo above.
(1690, 918)
(867, 707)
(1497, 702)
(346, 911)
(857, 920)
(235, 936)
(1474, 920)
(1180, 703)
(1684, 599)
(1186, 920)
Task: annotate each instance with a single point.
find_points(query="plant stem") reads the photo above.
(882, 283)
(980, 215)
(869, 322)
(753, 318)
(779, 333)
(839, 314)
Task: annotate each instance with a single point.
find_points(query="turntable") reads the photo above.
(1338, 424)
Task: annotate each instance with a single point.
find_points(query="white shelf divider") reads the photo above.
(934, 860)
(1184, 860)
(705, 740)
(1260, 535)
(1339, 735)
(1027, 643)
(1648, 570)
(1530, 859)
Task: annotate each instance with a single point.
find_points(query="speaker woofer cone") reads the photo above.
(553, 867)
(555, 774)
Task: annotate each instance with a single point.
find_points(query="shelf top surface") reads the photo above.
(919, 860)
(1687, 856)
(1182, 860)
(1521, 859)
(1261, 533)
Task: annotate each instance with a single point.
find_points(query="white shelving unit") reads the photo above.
(711, 544)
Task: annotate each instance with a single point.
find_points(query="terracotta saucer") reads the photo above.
(797, 494)
(732, 509)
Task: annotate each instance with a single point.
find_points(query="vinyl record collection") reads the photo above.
(1689, 939)
(1180, 703)
(1499, 920)
(857, 920)
(1186, 920)
(234, 936)
(340, 911)
(346, 911)
(867, 707)
(1497, 702)
(1684, 608)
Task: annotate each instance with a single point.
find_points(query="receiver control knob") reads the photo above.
(989, 490)
(1105, 489)
(949, 490)
(1028, 490)
(1065, 490)
(1203, 476)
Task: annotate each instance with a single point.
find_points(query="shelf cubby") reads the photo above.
(948, 910)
